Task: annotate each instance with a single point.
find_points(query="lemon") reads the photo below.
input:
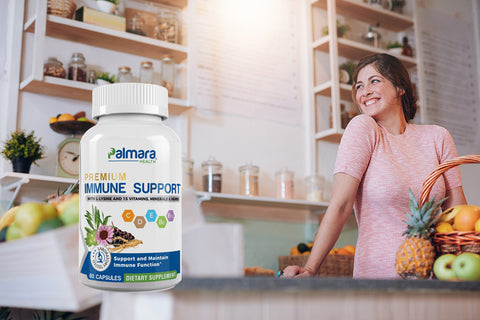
(477, 226)
(444, 227)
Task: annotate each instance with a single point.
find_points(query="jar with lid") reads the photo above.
(146, 72)
(212, 175)
(135, 24)
(77, 69)
(168, 74)
(314, 187)
(92, 77)
(124, 74)
(187, 172)
(249, 179)
(166, 26)
(54, 68)
(284, 183)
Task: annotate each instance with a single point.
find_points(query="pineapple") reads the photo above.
(416, 255)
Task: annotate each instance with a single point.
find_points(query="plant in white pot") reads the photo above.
(107, 6)
(395, 48)
(105, 78)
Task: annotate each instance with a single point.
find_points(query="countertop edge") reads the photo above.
(322, 284)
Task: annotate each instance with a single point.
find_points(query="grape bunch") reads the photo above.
(120, 237)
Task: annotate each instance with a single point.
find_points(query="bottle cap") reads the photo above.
(129, 97)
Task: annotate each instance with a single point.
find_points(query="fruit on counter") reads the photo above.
(65, 117)
(465, 267)
(477, 226)
(459, 218)
(68, 211)
(305, 248)
(49, 225)
(442, 268)
(28, 218)
(416, 254)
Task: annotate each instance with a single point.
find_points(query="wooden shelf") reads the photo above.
(329, 135)
(76, 31)
(313, 206)
(354, 50)
(325, 89)
(83, 91)
(369, 14)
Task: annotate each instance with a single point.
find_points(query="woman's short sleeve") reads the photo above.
(356, 147)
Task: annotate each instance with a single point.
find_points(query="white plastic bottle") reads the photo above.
(130, 192)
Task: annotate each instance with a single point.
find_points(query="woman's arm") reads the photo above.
(339, 209)
(455, 197)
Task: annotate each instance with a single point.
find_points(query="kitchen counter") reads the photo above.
(300, 299)
(321, 284)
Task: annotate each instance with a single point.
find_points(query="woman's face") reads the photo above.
(376, 95)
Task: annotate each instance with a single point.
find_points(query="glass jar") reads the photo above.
(187, 172)
(54, 68)
(77, 69)
(168, 74)
(249, 179)
(124, 74)
(146, 72)
(314, 187)
(212, 175)
(92, 77)
(284, 184)
(135, 24)
(166, 27)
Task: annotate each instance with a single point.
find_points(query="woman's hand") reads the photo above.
(296, 272)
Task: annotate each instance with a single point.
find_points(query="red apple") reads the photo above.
(467, 266)
(442, 268)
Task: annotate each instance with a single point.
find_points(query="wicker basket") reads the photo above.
(334, 265)
(455, 242)
(62, 8)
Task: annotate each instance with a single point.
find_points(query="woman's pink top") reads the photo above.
(387, 166)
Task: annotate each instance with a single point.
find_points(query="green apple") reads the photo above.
(467, 266)
(70, 214)
(14, 233)
(49, 211)
(442, 268)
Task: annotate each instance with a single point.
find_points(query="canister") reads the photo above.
(249, 179)
(212, 175)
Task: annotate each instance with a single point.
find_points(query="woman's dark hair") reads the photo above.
(394, 70)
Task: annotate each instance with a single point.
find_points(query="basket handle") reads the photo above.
(432, 177)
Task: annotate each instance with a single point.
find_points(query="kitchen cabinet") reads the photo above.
(325, 121)
(43, 25)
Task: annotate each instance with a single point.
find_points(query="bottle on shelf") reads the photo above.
(407, 49)
(212, 175)
(249, 179)
(124, 74)
(146, 72)
(168, 75)
(284, 183)
(77, 69)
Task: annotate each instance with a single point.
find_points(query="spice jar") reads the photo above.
(314, 187)
(135, 24)
(77, 69)
(124, 74)
(284, 184)
(249, 180)
(166, 26)
(146, 72)
(168, 74)
(212, 175)
(187, 179)
(54, 68)
(92, 77)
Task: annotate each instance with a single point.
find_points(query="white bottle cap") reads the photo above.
(130, 98)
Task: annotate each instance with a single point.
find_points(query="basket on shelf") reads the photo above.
(62, 8)
(334, 265)
(455, 242)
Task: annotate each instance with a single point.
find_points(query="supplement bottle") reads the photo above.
(130, 192)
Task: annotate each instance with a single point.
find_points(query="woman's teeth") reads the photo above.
(369, 102)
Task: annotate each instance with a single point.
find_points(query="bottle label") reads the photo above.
(130, 221)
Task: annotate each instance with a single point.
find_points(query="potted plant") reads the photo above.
(341, 29)
(394, 47)
(22, 150)
(108, 6)
(105, 78)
